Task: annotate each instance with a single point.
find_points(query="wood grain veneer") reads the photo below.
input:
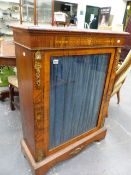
(34, 48)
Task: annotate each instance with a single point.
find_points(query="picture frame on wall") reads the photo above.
(104, 16)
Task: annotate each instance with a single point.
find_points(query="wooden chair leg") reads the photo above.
(3, 95)
(118, 97)
(11, 95)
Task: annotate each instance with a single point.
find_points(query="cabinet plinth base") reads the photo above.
(40, 168)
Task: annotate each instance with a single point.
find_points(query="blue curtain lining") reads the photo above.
(77, 84)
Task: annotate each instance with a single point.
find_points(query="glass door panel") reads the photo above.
(44, 12)
(76, 87)
(28, 11)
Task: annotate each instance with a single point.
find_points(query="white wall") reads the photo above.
(117, 9)
(4, 6)
(15, 1)
(81, 17)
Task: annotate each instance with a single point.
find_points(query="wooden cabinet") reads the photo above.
(65, 82)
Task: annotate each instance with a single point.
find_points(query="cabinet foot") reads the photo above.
(100, 139)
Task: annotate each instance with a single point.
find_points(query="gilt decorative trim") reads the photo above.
(40, 155)
(117, 58)
(37, 67)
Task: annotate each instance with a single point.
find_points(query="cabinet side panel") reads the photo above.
(25, 80)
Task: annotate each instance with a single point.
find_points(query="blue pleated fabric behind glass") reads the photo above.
(77, 84)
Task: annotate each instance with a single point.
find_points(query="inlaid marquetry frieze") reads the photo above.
(66, 40)
(90, 41)
(61, 41)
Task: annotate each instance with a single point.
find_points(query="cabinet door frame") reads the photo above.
(46, 72)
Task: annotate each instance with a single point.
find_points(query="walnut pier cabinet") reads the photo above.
(65, 82)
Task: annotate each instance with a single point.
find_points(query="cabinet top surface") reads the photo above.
(68, 30)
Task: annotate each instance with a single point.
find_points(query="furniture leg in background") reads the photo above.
(7, 58)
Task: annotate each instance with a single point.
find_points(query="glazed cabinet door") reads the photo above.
(77, 84)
